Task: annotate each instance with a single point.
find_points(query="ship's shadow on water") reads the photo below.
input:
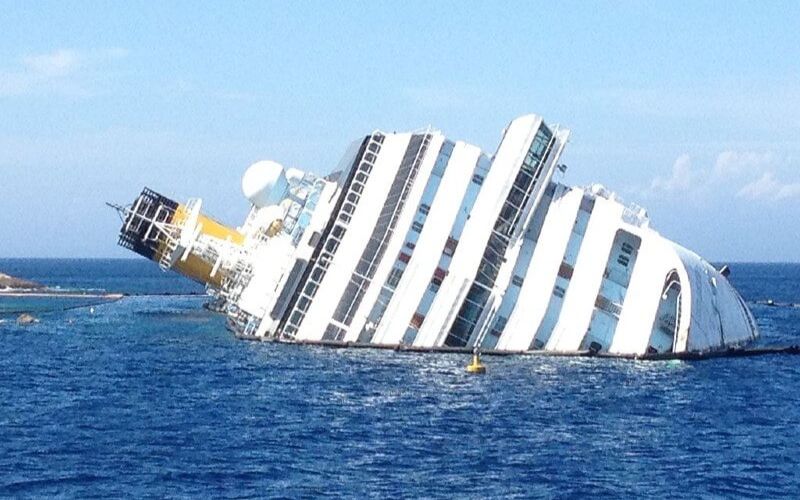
(152, 396)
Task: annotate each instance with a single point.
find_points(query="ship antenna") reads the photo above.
(121, 211)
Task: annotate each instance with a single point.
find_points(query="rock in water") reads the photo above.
(26, 319)
(7, 281)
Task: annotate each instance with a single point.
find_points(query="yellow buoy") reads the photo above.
(476, 366)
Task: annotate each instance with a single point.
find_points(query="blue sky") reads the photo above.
(689, 109)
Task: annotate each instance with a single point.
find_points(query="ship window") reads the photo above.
(345, 218)
(317, 274)
(438, 276)
(434, 286)
(478, 294)
(587, 204)
(495, 248)
(331, 245)
(303, 303)
(508, 212)
(410, 245)
(450, 246)
(477, 179)
(416, 226)
(324, 260)
(527, 167)
(565, 271)
(627, 248)
(353, 197)
(471, 311)
(461, 330)
(523, 180)
(338, 231)
(361, 177)
(404, 257)
(499, 326)
(333, 332)
(487, 273)
(370, 157)
(540, 142)
(314, 239)
(416, 320)
(559, 291)
(394, 277)
(516, 196)
(357, 187)
(348, 208)
(517, 280)
(424, 209)
(622, 259)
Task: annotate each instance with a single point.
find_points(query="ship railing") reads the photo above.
(241, 322)
(236, 280)
(635, 215)
(165, 259)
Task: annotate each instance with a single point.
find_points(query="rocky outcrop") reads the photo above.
(7, 281)
(26, 319)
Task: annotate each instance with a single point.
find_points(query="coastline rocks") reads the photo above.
(26, 319)
(11, 282)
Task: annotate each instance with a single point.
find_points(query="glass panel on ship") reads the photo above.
(506, 225)
(305, 196)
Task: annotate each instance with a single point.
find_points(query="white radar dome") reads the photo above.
(264, 183)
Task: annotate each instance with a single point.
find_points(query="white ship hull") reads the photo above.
(419, 242)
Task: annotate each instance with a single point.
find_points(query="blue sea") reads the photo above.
(150, 396)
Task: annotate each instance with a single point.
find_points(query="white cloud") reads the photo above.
(736, 163)
(57, 63)
(747, 174)
(62, 71)
(761, 187)
(769, 188)
(682, 177)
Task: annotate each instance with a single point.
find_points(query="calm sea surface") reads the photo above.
(152, 397)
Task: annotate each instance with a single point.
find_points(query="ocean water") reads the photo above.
(152, 397)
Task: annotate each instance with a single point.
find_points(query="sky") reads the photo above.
(690, 109)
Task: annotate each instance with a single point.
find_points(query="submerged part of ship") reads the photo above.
(419, 241)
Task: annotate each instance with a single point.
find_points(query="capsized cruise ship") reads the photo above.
(417, 241)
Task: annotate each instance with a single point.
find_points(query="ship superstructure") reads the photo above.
(417, 240)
